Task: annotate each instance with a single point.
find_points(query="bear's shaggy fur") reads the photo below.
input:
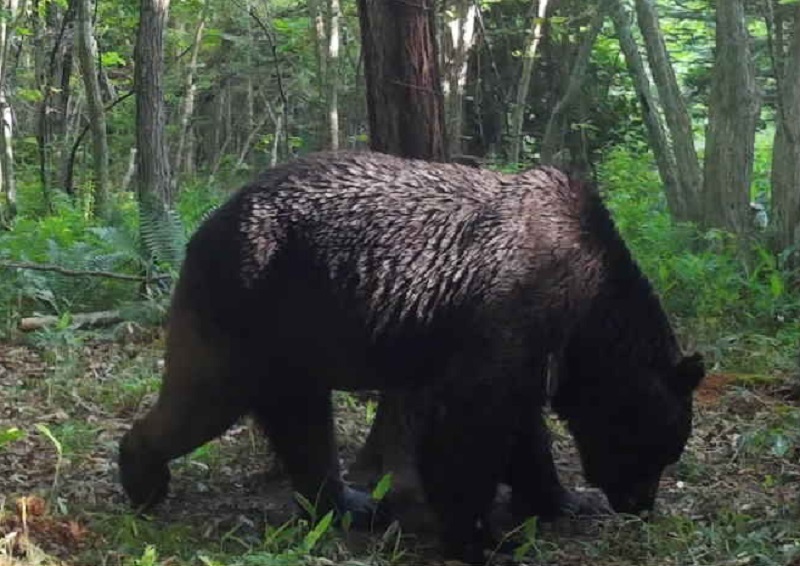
(351, 271)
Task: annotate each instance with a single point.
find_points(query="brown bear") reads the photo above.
(450, 284)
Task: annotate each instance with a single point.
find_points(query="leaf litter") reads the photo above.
(733, 499)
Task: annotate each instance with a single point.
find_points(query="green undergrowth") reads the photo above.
(731, 299)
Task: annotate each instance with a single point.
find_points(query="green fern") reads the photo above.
(163, 236)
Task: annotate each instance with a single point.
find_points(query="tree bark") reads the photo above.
(153, 178)
(190, 92)
(87, 56)
(532, 41)
(665, 159)
(459, 38)
(553, 136)
(406, 118)
(786, 150)
(732, 114)
(679, 123)
(8, 188)
(404, 98)
(333, 73)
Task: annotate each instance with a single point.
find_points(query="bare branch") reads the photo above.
(79, 272)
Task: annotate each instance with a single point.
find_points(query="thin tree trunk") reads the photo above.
(553, 135)
(320, 36)
(276, 142)
(153, 173)
(665, 160)
(8, 189)
(404, 97)
(786, 150)
(679, 123)
(190, 89)
(732, 115)
(333, 74)
(532, 41)
(42, 80)
(87, 56)
(459, 39)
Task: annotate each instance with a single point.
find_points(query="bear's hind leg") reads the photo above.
(461, 456)
(299, 425)
(198, 401)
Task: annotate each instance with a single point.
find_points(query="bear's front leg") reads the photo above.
(299, 424)
(535, 486)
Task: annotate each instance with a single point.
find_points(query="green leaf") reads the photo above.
(42, 428)
(316, 533)
(383, 487)
(776, 285)
(781, 446)
(10, 435)
(111, 58)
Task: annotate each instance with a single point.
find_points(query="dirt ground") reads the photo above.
(732, 500)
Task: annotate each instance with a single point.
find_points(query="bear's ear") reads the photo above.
(689, 372)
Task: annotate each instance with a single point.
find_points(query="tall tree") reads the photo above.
(406, 118)
(733, 111)
(686, 202)
(404, 97)
(532, 40)
(334, 44)
(786, 149)
(182, 161)
(153, 170)
(665, 159)
(458, 40)
(8, 188)
(554, 133)
(87, 56)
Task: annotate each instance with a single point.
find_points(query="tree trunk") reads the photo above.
(554, 133)
(459, 38)
(404, 98)
(665, 159)
(190, 91)
(532, 41)
(786, 149)
(153, 178)
(690, 177)
(87, 56)
(406, 118)
(732, 114)
(8, 189)
(332, 79)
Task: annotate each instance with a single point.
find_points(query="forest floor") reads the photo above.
(734, 499)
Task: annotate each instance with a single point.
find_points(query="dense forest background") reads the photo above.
(123, 124)
(686, 114)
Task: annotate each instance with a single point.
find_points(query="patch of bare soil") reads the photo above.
(234, 487)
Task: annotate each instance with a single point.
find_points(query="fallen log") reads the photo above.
(79, 320)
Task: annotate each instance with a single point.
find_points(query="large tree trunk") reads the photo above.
(8, 189)
(690, 178)
(732, 114)
(532, 41)
(153, 176)
(87, 56)
(556, 125)
(459, 38)
(786, 149)
(665, 160)
(406, 118)
(404, 98)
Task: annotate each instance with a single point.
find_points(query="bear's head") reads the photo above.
(629, 432)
